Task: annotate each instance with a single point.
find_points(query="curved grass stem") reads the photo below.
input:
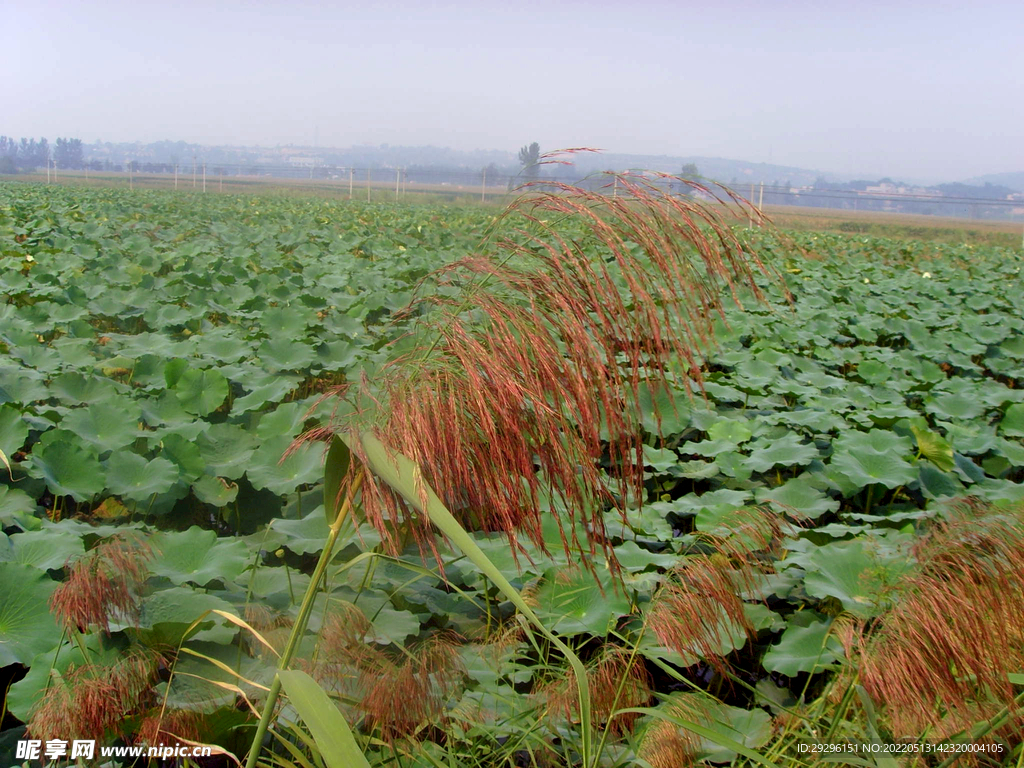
(305, 609)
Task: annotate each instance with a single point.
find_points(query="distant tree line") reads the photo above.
(19, 155)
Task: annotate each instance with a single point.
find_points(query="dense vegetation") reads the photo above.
(162, 352)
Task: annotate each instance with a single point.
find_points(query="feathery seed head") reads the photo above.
(102, 585)
(527, 381)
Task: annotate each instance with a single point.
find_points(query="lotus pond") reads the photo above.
(161, 352)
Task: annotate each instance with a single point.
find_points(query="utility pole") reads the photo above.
(760, 200)
(367, 185)
(221, 180)
(47, 170)
(398, 180)
(483, 187)
(193, 170)
(350, 172)
(750, 224)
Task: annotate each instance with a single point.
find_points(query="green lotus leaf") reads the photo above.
(787, 451)
(709, 448)
(337, 355)
(167, 614)
(78, 388)
(750, 727)
(13, 431)
(1013, 421)
(269, 392)
(664, 411)
(269, 467)
(692, 503)
(165, 409)
(108, 425)
(290, 321)
(798, 496)
(854, 572)
(226, 449)
(174, 369)
(201, 392)
(131, 476)
(805, 646)
(198, 556)
(649, 520)
(281, 353)
(67, 468)
(275, 582)
(194, 686)
(215, 491)
(572, 602)
(26, 624)
(305, 536)
(222, 345)
(730, 430)
(734, 464)
(874, 371)
(18, 385)
(45, 549)
(14, 503)
(659, 459)
(284, 421)
(42, 359)
(932, 445)
(634, 558)
(956, 405)
(869, 467)
(937, 483)
(184, 454)
(390, 625)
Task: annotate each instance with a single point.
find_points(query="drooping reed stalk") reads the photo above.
(526, 383)
(939, 660)
(523, 392)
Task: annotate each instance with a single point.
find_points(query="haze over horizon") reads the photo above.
(924, 91)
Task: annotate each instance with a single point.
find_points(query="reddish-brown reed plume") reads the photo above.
(523, 391)
(698, 610)
(93, 701)
(700, 606)
(617, 680)
(396, 693)
(400, 696)
(668, 745)
(103, 585)
(939, 658)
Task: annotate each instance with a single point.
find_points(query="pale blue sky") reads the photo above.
(926, 90)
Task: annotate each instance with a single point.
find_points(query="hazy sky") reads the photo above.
(926, 90)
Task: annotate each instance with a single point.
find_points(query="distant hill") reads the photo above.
(1014, 181)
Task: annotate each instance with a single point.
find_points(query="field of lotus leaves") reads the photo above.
(159, 353)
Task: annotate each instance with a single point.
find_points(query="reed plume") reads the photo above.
(940, 657)
(667, 744)
(618, 679)
(397, 692)
(522, 392)
(700, 605)
(91, 701)
(103, 585)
